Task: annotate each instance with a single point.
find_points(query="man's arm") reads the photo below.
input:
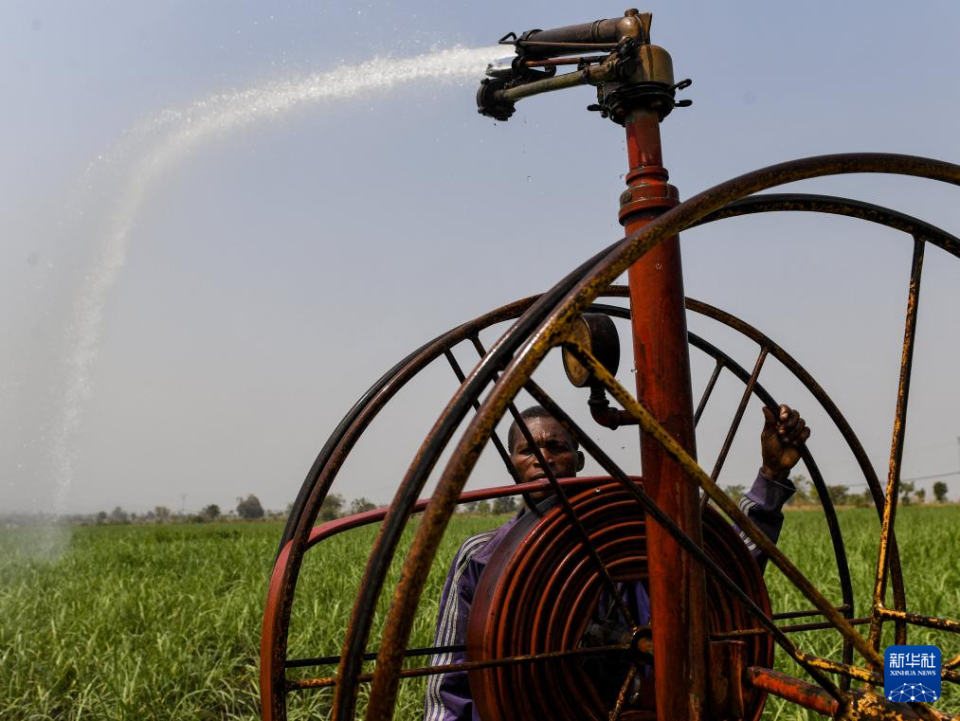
(763, 504)
(448, 695)
(783, 434)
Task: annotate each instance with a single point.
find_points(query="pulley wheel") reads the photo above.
(541, 590)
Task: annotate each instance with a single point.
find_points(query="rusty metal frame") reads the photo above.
(542, 327)
(521, 349)
(728, 362)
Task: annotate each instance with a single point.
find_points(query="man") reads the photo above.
(448, 695)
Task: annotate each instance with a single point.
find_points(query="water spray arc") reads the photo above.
(156, 147)
(711, 637)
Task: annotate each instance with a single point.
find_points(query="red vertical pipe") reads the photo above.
(661, 354)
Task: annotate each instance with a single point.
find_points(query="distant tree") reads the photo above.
(922, 495)
(735, 492)
(101, 518)
(332, 507)
(804, 495)
(483, 508)
(361, 505)
(211, 512)
(162, 513)
(906, 491)
(249, 508)
(838, 494)
(118, 515)
(507, 504)
(861, 500)
(940, 492)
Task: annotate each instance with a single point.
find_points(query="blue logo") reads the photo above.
(911, 673)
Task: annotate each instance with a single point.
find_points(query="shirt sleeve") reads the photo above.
(448, 695)
(763, 504)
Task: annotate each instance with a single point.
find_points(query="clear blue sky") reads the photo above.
(274, 270)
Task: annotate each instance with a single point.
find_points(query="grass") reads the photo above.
(929, 542)
(145, 622)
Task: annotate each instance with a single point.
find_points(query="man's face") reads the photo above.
(557, 448)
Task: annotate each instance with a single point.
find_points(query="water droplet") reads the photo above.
(529, 178)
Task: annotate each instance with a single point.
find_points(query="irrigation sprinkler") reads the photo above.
(707, 652)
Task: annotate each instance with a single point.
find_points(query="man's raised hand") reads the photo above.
(784, 432)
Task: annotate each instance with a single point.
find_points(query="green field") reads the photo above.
(163, 622)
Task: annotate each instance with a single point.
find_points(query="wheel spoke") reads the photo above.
(852, 672)
(896, 445)
(498, 444)
(328, 681)
(794, 628)
(708, 391)
(804, 614)
(371, 656)
(622, 696)
(941, 624)
(738, 416)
